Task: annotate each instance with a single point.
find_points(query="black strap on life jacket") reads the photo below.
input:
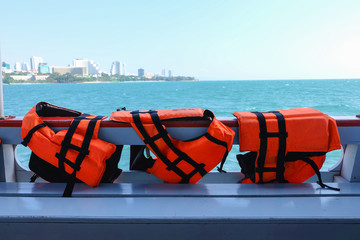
(163, 134)
(83, 150)
(29, 135)
(305, 157)
(247, 164)
(221, 143)
(264, 135)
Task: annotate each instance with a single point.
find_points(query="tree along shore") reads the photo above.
(70, 78)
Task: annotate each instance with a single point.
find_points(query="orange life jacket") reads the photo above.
(179, 161)
(286, 145)
(78, 151)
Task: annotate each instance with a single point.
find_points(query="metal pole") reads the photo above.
(2, 162)
(1, 91)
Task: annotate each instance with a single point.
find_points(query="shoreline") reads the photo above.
(195, 80)
(94, 82)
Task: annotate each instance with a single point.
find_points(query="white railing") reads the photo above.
(347, 168)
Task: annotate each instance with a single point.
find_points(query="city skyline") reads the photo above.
(92, 67)
(234, 39)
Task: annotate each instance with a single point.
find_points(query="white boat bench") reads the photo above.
(168, 211)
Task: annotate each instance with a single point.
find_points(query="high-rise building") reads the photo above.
(93, 68)
(25, 67)
(170, 74)
(141, 72)
(17, 67)
(163, 72)
(44, 68)
(124, 69)
(5, 65)
(116, 68)
(34, 63)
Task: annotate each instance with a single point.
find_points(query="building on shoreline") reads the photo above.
(25, 67)
(116, 68)
(5, 67)
(83, 71)
(124, 68)
(34, 63)
(30, 77)
(17, 67)
(141, 72)
(44, 68)
(92, 67)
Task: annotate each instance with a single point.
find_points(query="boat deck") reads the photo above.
(163, 211)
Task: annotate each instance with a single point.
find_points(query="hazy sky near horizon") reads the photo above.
(207, 39)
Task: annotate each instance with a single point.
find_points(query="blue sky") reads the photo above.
(210, 40)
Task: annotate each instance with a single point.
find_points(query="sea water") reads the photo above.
(333, 97)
